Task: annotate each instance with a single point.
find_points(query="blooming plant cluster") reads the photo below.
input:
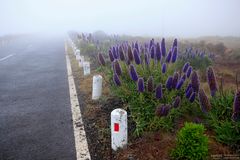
(146, 77)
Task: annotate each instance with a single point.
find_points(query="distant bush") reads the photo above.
(191, 144)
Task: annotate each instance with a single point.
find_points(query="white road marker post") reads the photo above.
(81, 60)
(86, 68)
(97, 87)
(119, 129)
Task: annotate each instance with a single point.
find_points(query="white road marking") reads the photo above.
(4, 58)
(81, 144)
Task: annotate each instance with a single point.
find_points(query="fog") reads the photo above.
(186, 18)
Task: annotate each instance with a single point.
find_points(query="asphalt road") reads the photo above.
(35, 110)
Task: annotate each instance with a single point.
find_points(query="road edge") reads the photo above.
(81, 145)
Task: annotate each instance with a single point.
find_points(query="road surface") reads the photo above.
(35, 111)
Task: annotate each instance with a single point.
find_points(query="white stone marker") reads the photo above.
(81, 60)
(97, 87)
(86, 68)
(77, 52)
(119, 131)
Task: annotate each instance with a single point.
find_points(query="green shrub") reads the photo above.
(226, 130)
(191, 144)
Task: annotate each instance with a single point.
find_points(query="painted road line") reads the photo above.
(81, 145)
(4, 58)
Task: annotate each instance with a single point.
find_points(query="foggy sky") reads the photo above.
(186, 18)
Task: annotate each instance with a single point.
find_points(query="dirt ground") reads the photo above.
(96, 117)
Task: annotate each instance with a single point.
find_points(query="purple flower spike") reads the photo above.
(179, 84)
(189, 71)
(185, 67)
(236, 107)
(162, 110)
(152, 52)
(101, 59)
(140, 85)
(130, 54)
(164, 68)
(136, 46)
(184, 77)
(192, 97)
(174, 54)
(117, 68)
(212, 81)
(204, 102)
(175, 80)
(176, 102)
(159, 93)
(195, 81)
(121, 54)
(189, 93)
(133, 73)
(188, 87)
(114, 53)
(110, 55)
(136, 56)
(158, 52)
(163, 48)
(146, 58)
(169, 56)
(169, 83)
(150, 84)
(116, 80)
(174, 43)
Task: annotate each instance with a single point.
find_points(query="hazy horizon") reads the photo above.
(186, 18)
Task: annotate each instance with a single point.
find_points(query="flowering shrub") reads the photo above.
(147, 78)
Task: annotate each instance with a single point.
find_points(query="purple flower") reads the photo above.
(195, 81)
(158, 52)
(163, 47)
(164, 68)
(140, 85)
(175, 80)
(192, 97)
(204, 102)
(133, 73)
(111, 55)
(101, 59)
(179, 84)
(212, 81)
(169, 56)
(146, 58)
(176, 102)
(174, 43)
(185, 67)
(115, 55)
(152, 52)
(116, 80)
(174, 54)
(117, 68)
(136, 56)
(162, 110)
(236, 107)
(169, 83)
(159, 93)
(121, 53)
(136, 46)
(130, 54)
(184, 77)
(150, 84)
(188, 87)
(151, 43)
(189, 93)
(189, 71)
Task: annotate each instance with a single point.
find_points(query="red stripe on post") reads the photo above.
(116, 127)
